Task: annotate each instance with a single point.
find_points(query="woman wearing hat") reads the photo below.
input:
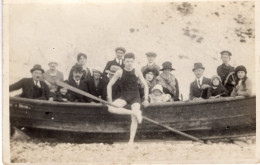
(243, 84)
(150, 74)
(168, 81)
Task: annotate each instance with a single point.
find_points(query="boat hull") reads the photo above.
(204, 119)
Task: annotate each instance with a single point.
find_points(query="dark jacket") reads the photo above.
(220, 90)
(86, 74)
(29, 90)
(176, 96)
(99, 91)
(59, 97)
(109, 64)
(223, 71)
(75, 97)
(195, 91)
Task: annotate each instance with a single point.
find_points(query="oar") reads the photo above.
(76, 90)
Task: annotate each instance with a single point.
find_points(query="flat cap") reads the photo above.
(151, 54)
(120, 48)
(225, 51)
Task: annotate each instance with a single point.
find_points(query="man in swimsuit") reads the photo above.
(129, 77)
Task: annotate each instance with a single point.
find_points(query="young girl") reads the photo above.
(243, 84)
(62, 95)
(157, 95)
(216, 89)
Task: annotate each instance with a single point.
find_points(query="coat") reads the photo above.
(75, 97)
(108, 65)
(59, 97)
(196, 92)
(223, 71)
(153, 65)
(28, 91)
(99, 91)
(243, 89)
(86, 74)
(220, 90)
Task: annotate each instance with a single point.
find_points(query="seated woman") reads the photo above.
(157, 95)
(150, 74)
(243, 84)
(216, 89)
(168, 81)
(62, 95)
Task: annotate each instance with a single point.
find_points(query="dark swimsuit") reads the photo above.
(129, 86)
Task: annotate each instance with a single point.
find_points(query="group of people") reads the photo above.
(121, 84)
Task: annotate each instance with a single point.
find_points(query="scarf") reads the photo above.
(167, 82)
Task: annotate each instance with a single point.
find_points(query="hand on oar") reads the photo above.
(111, 104)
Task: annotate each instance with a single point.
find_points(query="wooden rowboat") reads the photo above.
(206, 119)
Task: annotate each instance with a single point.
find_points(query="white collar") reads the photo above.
(150, 64)
(118, 61)
(201, 79)
(39, 84)
(76, 80)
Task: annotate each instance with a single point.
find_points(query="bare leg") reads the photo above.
(136, 109)
(120, 111)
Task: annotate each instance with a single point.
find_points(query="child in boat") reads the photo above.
(216, 89)
(243, 84)
(157, 95)
(62, 95)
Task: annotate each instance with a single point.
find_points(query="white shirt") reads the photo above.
(119, 61)
(199, 81)
(37, 83)
(150, 64)
(77, 81)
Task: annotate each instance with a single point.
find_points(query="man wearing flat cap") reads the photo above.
(33, 88)
(150, 58)
(52, 75)
(226, 72)
(199, 87)
(118, 61)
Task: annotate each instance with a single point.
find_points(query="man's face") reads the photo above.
(82, 60)
(149, 76)
(119, 54)
(53, 66)
(150, 59)
(96, 75)
(241, 74)
(225, 58)
(199, 72)
(37, 75)
(167, 71)
(129, 63)
(63, 91)
(77, 75)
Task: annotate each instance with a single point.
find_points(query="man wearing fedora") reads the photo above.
(226, 72)
(33, 88)
(199, 87)
(168, 81)
(79, 83)
(150, 58)
(116, 89)
(52, 75)
(118, 61)
(97, 86)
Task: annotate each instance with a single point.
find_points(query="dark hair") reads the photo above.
(129, 55)
(151, 69)
(81, 54)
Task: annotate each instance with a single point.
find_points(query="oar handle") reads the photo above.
(106, 102)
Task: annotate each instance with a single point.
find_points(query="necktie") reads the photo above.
(199, 83)
(37, 83)
(120, 62)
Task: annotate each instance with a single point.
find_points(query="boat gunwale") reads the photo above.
(151, 105)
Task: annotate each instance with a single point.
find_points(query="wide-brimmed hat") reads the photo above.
(151, 54)
(151, 69)
(113, 69)
(225, 51)
(158, 87)
(120, 48)
(240, 68)
(216, 76)
(167, 65)
(37, 67)
(198, 65)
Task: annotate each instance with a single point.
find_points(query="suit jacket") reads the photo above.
(153, 65)
(99, 91)
(86, 74)
(75, 97)
(27, 86)
(109, 64)
(195, 91)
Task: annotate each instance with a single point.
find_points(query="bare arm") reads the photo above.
(117, 75)
(146, 89)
